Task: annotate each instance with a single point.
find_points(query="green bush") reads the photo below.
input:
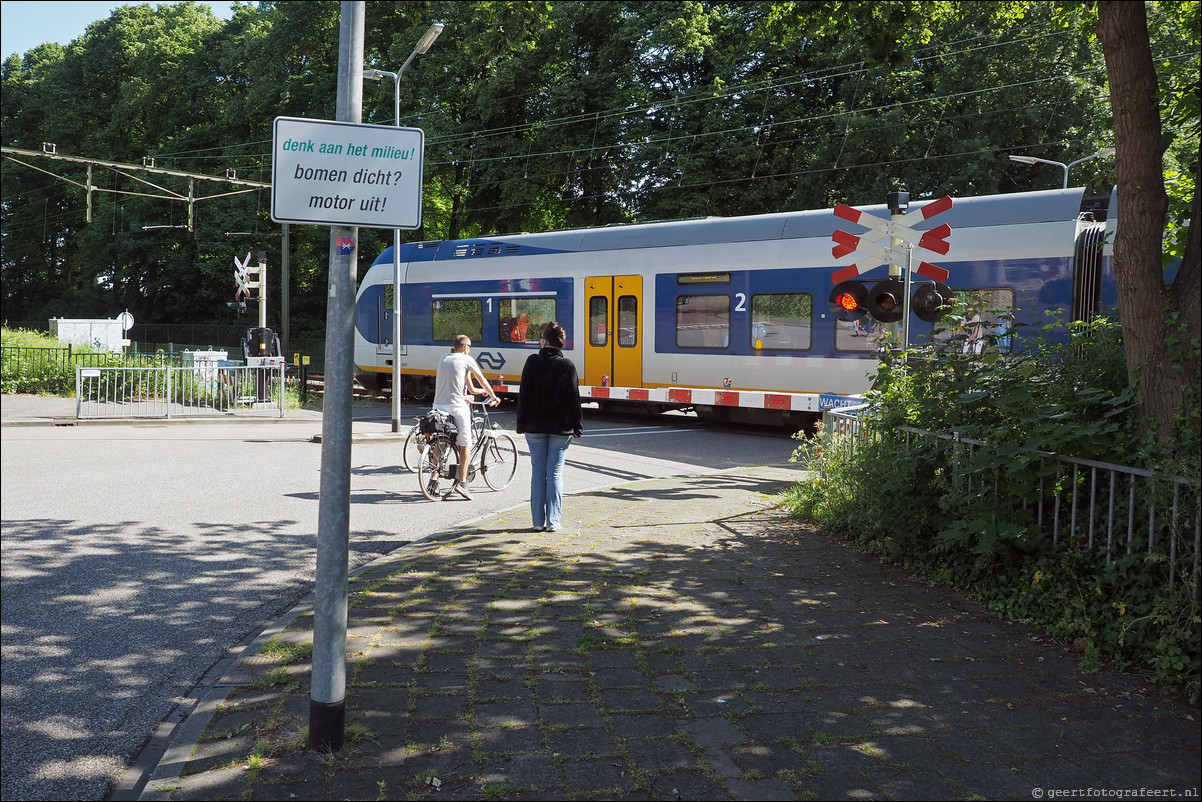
(36, 363)
(968, 517)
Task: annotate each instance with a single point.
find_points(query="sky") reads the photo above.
(25, 24)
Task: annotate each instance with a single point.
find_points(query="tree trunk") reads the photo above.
(1151, 314)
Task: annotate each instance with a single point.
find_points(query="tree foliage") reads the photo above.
(542, 114)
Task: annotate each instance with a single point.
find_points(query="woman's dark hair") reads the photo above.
(554, 334)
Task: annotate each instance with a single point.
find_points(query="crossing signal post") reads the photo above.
(891, 299)
(249, 277)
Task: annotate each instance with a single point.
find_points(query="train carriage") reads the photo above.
(726, 315)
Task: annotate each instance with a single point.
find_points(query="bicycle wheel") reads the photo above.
(430, 467)
(415, 444)
(499, 460)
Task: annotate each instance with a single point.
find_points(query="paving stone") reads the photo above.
(605, 774)
(631, 699)
(644, 726)
(226, 783)
(440, 706)
(693, 785)
(580, 742)
(765, 790)
(712, 731)
(510, 740)
(772, 662)
(512, 713)
(571, 715)
(658, 755)
(532, 771)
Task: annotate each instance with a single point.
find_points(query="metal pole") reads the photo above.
(262, 289)
(906, 296)
(897, 202)
(285, 295)
(397, 386)
(327, 697)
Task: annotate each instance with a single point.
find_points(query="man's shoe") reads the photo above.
(461, 489)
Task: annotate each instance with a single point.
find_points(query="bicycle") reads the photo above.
(494, 455)
(415, 444)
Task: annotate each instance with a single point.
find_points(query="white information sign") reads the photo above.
(337, 173)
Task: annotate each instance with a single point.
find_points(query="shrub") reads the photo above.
(969, 518)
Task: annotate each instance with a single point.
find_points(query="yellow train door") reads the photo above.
(613, 350)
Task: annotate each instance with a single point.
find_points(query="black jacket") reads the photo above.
(549, 400)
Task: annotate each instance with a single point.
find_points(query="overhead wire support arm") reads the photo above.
(50, 151)
(225, 179)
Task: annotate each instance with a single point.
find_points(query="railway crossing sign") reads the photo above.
(888, 301)
(901, 229)
(242, 277)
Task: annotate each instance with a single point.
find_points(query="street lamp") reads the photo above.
(422, 46)
(1032, 160)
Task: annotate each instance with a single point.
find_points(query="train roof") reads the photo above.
(1060, 205)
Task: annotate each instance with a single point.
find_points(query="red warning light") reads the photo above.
(848, 302)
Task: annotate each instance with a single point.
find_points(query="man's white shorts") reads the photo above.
(462, 415)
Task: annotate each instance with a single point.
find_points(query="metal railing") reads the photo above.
(1087, 505)
(204, 390)
(51, 369)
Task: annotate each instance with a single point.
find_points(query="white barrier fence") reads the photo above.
(179, 392)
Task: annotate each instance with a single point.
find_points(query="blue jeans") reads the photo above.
(547, 455)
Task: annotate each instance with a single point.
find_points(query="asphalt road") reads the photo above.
(137, 556)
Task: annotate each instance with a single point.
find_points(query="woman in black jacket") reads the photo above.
(549, 415)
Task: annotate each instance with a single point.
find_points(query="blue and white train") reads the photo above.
(729, 316)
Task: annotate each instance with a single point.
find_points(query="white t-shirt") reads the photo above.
(451, 381)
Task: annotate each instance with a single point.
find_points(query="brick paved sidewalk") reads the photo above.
(678, 639)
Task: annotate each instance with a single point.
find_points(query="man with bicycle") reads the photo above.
(455, 382)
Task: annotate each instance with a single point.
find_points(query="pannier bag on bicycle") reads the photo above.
(438, 422)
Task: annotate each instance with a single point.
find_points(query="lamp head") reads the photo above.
(373, 75)
(428, 38)
(1024, 159)
(1105, 154)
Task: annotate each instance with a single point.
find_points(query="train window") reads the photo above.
(782, 321)
(703, 321)
(628, 321)
(522, 320)
(598, 321)
(986, 315)
(455, 316)
(858, 335)
(388, 291)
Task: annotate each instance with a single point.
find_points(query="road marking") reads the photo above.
(637, 430)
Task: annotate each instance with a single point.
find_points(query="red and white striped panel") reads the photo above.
(748, 399)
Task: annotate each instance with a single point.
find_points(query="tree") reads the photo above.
(1161, 328)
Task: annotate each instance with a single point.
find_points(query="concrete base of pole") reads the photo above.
(327, 725)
